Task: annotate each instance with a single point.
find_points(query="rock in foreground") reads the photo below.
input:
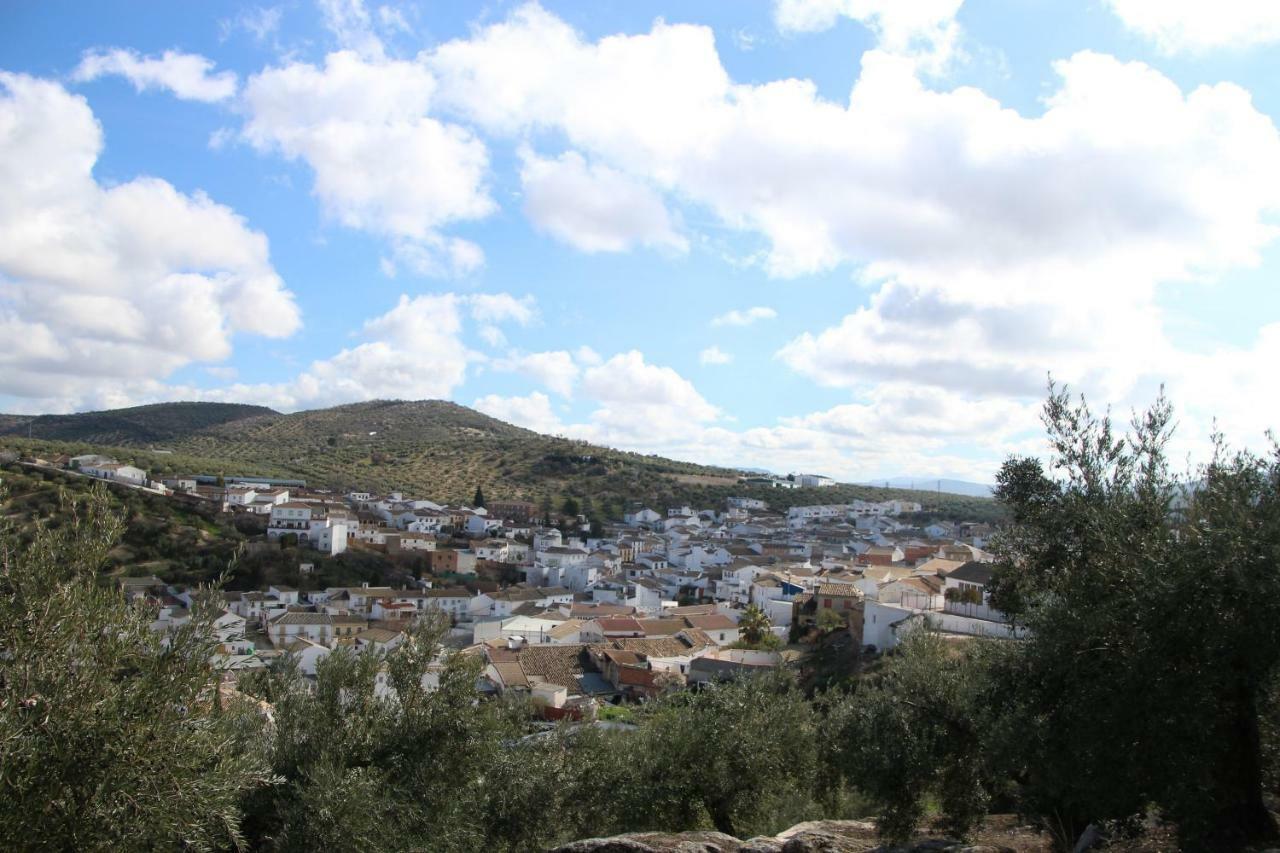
(819, 836)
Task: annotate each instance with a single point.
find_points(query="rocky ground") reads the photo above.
(999, 834)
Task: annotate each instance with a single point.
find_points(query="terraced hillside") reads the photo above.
(430, 448)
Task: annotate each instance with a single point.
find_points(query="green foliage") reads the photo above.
(430, 448)
(830, 620)
(110, 735)
(768, 642)
(741, 757)
(753, 626)
(371, 753)
(913, 733)
(1154, 612)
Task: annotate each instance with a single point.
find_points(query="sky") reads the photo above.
(849, 237)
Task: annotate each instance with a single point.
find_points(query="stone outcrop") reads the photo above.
(819, 836)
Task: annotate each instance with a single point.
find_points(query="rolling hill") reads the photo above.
(140, 425)
(431, 448)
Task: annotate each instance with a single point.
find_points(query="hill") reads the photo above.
(432, 448)
(139, 425)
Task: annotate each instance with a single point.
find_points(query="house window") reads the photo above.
(826, 602)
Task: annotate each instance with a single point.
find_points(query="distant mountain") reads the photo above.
(140, 425)
(934, 484)
(431, 448)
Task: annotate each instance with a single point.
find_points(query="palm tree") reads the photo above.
(753, 625)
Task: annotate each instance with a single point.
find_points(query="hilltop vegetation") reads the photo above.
(186, 543)
(139, 425)
(430, 448)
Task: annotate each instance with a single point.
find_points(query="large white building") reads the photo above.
(311, 524)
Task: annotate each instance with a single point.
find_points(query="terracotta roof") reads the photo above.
(594, 611)
(450, 592)
(559, 664)
(304, 619)
(377, 635)
(511, 673)
(662, 627)
(693, 610)
(655, 647)
(711, 622)
(619, 625)
(565, 629)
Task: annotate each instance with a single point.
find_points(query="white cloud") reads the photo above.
(414, 351)
(998, 246)
(187, 75)
(531, 412)
(381, 164)
(925, 29)
(351, 24)
(1120, 164)
(714, 355)
(492, 335)
(585, 355)
(556, 370)
(117, 286)
(1194, 26)
(502, 308)
(259, 21)
(594, 208)
(746, 317)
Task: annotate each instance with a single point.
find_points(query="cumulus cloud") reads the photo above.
(381, 163)
(113, 286)
(556, 370)
(925, 29)
(531, 412)
(594, 208)
(502, 308)
(714, 355)
(187, 75)
(1120, 163)
(1188, 26)
(744, 317)
(997, 246)
(413, 351)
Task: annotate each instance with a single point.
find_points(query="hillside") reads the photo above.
(139, 425)
(430, 448)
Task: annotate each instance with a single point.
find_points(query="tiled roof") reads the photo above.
(294, 618)
(712, 622)
(654, 647)
(973, 572)
(620, 624)
(562, 664)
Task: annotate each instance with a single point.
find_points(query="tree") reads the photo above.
(831, 620)
(753, 626)
(1154, 617)
(741, 755)
(913, 733)
(570, 507)
(111, 735)
(478, 501)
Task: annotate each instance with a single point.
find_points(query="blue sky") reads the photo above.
(845, 236)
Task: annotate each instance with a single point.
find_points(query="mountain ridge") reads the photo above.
(432, 448)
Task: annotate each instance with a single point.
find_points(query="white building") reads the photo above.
(116, 472)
